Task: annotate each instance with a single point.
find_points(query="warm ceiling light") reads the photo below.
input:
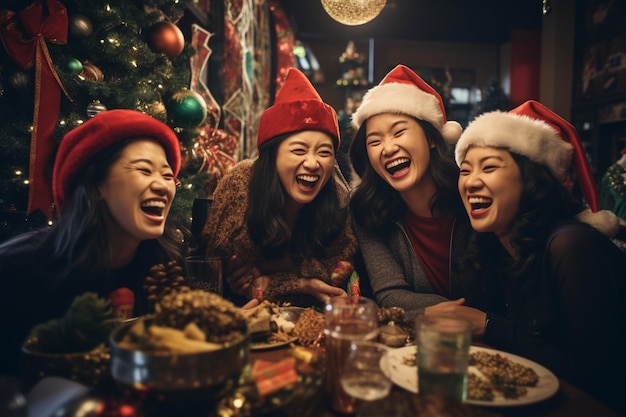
(353, 12)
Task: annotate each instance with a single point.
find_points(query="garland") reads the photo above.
(616, 179)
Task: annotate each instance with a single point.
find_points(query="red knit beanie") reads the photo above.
(297, 107)
(83, 143)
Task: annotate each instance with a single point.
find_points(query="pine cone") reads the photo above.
(218, 318)
(162, 280)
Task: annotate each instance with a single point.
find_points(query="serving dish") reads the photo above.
(177, 381)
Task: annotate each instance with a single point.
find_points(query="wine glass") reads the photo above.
(362, 376)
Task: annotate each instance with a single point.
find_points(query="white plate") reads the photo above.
(406, 377)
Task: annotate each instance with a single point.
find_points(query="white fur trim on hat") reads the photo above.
(604, 220)
(399, 98)
(519, 134)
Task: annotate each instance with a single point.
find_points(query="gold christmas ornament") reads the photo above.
(353, 12)
(91, 72)
(156, 109)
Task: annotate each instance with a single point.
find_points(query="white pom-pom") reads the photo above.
(451, 132)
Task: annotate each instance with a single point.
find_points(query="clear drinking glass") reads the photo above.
(348, 319)
(204, 273)
(443, 355)
(362, 376)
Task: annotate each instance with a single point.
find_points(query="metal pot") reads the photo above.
(178, 381)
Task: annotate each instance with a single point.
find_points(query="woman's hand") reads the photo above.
(319, 289)
(476, 317)
(239, 275)
(456, 308)
(444, 308)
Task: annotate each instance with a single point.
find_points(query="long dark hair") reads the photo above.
(375, 204)
(544, 202)
(318, 224)
(79, 237)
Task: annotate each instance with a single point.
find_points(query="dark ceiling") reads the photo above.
(472, 21)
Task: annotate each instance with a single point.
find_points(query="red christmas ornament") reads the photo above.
(165, 37)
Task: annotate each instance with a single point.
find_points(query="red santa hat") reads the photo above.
(83, 143)
(402, 91)
(544, 137)
(297, 107)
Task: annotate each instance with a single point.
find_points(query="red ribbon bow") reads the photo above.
(24, 48)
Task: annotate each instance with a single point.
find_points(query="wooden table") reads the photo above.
(569, 401)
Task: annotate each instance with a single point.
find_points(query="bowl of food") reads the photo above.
(186, 356)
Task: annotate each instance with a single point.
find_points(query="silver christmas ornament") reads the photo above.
(94, 108)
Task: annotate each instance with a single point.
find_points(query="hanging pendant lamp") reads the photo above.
(353, 12)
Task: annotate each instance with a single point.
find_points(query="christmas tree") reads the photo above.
(67, 60)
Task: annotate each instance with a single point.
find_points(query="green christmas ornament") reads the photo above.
(74, 66)
(186, 109)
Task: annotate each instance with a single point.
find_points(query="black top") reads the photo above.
(33, 292)
(567, 311)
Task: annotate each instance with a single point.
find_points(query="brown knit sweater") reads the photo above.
(226, 233)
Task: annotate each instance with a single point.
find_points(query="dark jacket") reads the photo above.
(566, 311)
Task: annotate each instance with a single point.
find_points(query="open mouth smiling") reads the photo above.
(478, 203)
(397, 164)
(307, 181)
(153, 207)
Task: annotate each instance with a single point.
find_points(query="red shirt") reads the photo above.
(430, 239)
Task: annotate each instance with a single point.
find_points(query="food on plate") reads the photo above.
(281, 325)
(479, 388)
(410, 359)
(497, 375)
(309, 328)
(266, 323)
(274, 324)
(505, 376)
(259, 320)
